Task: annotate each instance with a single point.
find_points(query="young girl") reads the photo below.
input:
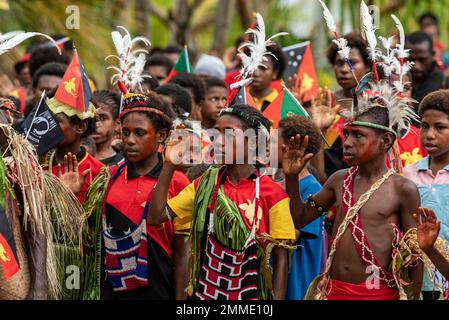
(139, 257)
(226, 234)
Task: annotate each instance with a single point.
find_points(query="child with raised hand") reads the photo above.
(234, 212)
(107, 105)
(431, 174)
(70, 160)
(146, 122)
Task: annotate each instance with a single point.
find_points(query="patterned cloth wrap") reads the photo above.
(126, 256)
(228, 274)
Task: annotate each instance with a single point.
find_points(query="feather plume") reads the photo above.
(10, 40)
(368, 30)
(400, 48)
(383, 95)
(342, 43)
(329, 19)
(131, 61)
(257, 51)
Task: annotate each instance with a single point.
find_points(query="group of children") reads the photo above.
(237, 230)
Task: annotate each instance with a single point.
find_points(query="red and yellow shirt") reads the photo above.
(275, 217)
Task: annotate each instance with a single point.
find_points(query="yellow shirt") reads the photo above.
(267, 99)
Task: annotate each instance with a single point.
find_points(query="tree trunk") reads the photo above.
(225, 11)
(143, 25)
(245, 13)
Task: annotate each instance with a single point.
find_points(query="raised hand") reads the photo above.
(294, 85)
(179, 148)
(294, 157)
(322, 111)
(71, 176)
(428, 227)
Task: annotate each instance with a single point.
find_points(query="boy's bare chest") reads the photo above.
(382, 207)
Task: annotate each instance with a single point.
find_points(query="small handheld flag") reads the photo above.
(74, 89)
(301, 68)
(182, 65)
(41, 128)
(284, 104)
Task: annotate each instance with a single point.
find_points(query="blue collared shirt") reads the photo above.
(434, 194)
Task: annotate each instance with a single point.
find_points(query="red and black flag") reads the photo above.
(301, 68)
(8, 253)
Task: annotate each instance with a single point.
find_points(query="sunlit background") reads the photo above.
(202, 25)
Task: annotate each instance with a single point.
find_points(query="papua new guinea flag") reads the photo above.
(301, 68)
(74, 89)
(8, 253)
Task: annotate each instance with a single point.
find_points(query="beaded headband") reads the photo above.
(133, 102)
(254, 123)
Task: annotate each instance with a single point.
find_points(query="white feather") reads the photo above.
(131, 62)
(400, 48)
(257, 51)
(369, 30)
(329, 18)
(10, 40)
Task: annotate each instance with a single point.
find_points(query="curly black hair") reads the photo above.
(181, 97)
(193, 82)
(292, 125)
(109, 99)
(159, 59)
(355, 40)
(210, 81)
(437, 100)
(49, 69)
(41, 56)
(159, 121)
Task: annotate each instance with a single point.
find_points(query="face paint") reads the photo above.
(140, 138)
(360, 145)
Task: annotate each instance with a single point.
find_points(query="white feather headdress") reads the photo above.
(12, 39)
(132, 61)
(256, 52)
(369, 31)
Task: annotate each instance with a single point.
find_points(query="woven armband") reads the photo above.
(316, 206)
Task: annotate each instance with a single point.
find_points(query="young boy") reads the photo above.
(107, 105)
(305, 260)
(361, 252)
(431, 174)
(214, 101)
(232, 211)
(261, 89)
(70, 161)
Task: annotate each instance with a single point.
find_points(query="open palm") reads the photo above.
(322, 111)
(428, 227)
(294, 157)
(71, 177)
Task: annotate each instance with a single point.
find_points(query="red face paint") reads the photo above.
(360, 145)
(140, 139)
